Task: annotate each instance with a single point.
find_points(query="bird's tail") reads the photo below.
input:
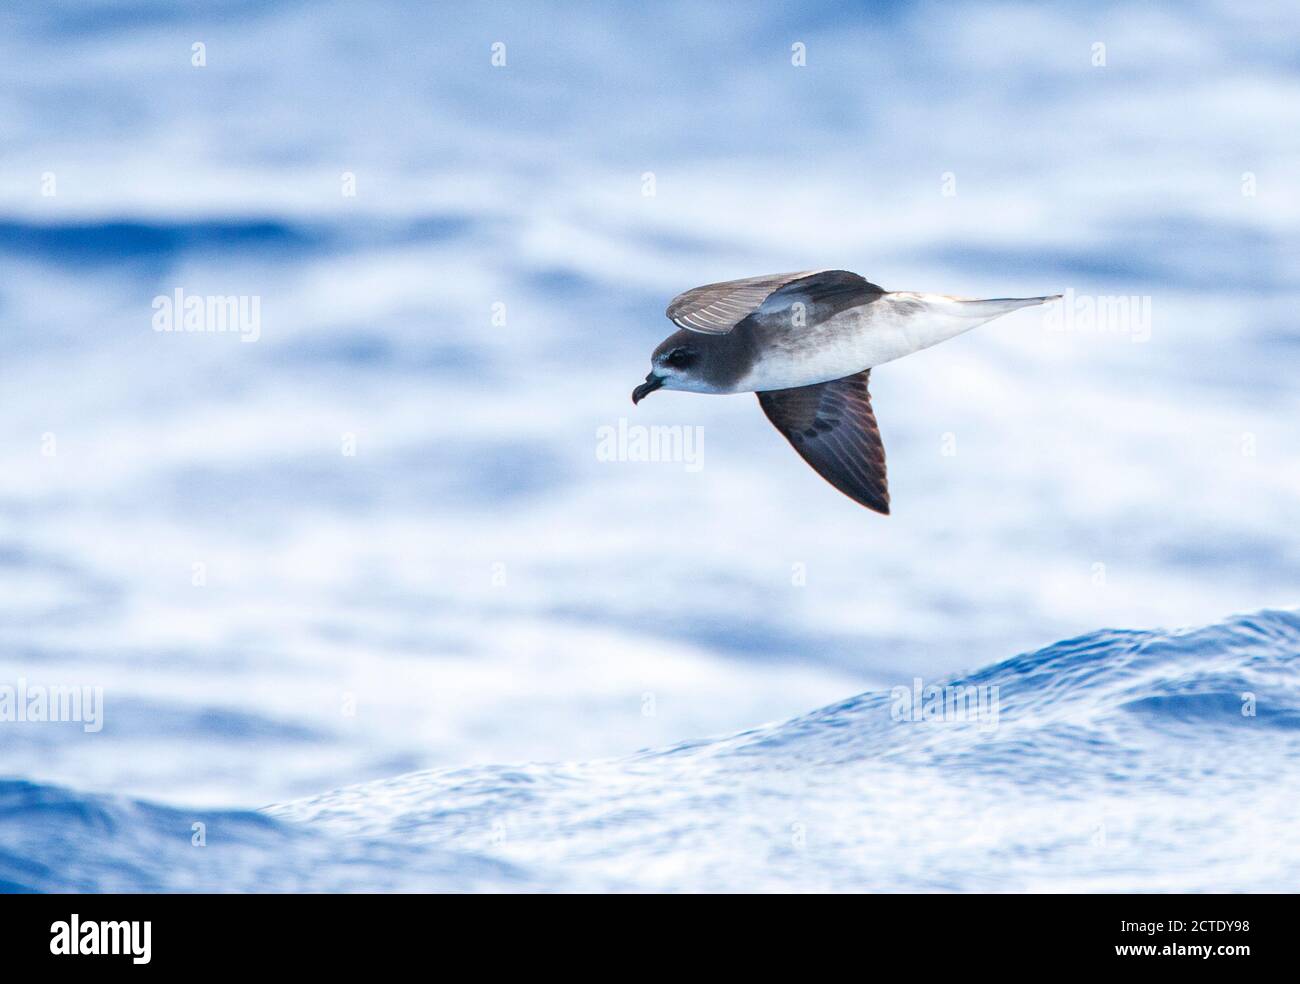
(928, 319)
(985, 309)
(960, 313)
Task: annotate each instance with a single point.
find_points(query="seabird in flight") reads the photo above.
(806, 343)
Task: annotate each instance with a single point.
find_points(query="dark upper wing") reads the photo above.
(715, 309)
(833, 429)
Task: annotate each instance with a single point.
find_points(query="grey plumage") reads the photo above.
(806, 343)
(746, 317)
(716, 309)
(832, 427)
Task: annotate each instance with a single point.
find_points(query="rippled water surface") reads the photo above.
(1117, 761)
(378, 540)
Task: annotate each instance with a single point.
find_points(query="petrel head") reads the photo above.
(675, 365)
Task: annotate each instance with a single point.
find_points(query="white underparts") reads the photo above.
(888, 328)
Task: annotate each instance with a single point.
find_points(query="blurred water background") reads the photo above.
(378, 538)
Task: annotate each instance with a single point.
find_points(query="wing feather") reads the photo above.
(715, 309)
(833, 428)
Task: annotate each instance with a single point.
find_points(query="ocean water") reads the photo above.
(1116, 761)
(379, 539)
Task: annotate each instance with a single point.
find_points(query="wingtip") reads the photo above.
(870, 501)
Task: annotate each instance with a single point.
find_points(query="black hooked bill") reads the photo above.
(652, 383)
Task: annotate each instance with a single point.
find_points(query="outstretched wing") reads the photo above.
(715, 309)
(833, 429)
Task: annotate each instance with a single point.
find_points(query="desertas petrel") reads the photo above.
(806, 343)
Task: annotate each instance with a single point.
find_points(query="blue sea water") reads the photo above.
(1117, 761)
(379, 541)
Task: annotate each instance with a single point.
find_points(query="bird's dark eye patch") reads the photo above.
(679, 358)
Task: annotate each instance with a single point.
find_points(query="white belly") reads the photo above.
(888, 328)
